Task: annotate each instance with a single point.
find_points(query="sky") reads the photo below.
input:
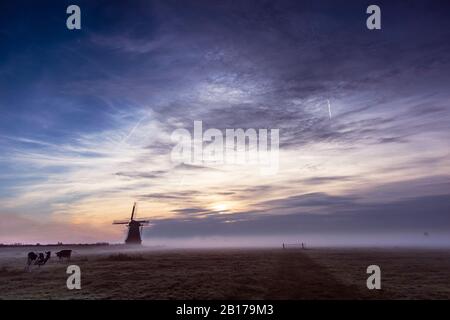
(87, 118)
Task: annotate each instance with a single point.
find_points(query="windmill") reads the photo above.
(134, 227)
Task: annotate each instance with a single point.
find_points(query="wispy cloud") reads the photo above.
(87, 117)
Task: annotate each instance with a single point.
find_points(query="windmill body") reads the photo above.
(134, 233)
(134, 227)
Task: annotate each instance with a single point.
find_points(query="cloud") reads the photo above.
(324, 180)
(412, 215)
(173, 195)
(197, 211)
(80, 142)
(143, 175)
(191, 167)
(310, 200)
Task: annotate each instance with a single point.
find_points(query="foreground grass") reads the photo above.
(230, 274)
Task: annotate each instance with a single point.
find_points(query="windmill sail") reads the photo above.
(133, 212)
(121, 221)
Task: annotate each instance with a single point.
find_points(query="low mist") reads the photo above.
(312, 240)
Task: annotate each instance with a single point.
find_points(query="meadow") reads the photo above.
(148, 273)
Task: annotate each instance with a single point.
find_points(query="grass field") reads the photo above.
(120, 273)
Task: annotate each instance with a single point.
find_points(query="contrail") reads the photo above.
(133, 129)
(329, 108)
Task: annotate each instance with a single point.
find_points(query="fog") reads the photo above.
(309, 240)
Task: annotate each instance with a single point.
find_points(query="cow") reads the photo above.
(64, 254)
(31, 258)
(38, 259)
(43, 260)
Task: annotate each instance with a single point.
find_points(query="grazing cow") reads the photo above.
(31, 257)
(43, 260)
(37, 259)
(64, 254)
(40, 258)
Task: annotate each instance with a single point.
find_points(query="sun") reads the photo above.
(220, 207)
